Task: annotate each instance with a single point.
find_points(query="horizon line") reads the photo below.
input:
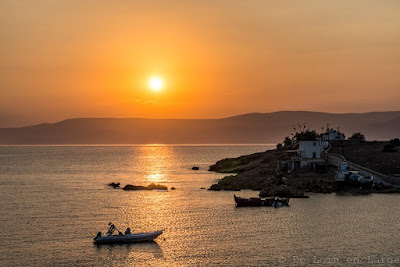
(217, 118)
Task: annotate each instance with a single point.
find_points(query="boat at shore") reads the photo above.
(128, 237)
(367, 180)
(256, 202)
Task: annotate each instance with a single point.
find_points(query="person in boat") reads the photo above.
(111, 229)
(128, 231)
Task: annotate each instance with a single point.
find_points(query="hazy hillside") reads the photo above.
(247, 128)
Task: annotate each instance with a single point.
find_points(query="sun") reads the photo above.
(156, 83)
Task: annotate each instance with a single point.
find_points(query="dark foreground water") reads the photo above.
(54, 200)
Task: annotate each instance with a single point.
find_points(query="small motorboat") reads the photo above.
(128, 237)
(355, 176)
(255, 202)
(367, 180)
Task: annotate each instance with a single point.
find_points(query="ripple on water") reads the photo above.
(55, 200)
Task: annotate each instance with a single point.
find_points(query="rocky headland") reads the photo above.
(259, 172)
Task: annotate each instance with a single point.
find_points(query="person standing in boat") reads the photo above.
(111, 229)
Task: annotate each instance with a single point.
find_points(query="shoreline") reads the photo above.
(258, 172)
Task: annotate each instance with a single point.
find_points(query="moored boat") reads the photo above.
(367, 180)
(255, 202)
(355, 176)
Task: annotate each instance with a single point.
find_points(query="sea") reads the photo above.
(55, 199)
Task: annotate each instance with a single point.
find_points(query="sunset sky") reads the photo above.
(72, 58)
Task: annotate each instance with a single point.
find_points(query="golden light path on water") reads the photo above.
(170, 211)
(201, 227)
(157, 162)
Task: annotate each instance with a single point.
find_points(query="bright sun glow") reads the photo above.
(156, 83)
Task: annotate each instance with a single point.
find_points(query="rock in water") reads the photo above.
(115, 185)
(151, 186)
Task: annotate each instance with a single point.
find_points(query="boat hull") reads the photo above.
(129, 238)
(258, 202)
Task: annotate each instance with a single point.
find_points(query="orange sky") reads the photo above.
(72, 58)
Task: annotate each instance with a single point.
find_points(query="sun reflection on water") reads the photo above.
(151, 210)
(158, 159)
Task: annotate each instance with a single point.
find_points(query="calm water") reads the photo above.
(54, 200)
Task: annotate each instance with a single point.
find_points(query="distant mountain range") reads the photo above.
(246, 128)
